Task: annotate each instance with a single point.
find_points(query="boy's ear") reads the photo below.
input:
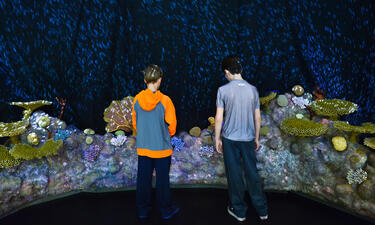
(145, 81)
(226, 72)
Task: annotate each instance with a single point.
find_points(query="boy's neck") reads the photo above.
(236, 76)
(152, 88)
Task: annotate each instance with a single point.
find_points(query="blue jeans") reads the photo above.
(233, 152)
(146, 166)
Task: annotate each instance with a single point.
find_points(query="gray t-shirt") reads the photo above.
(239, 100)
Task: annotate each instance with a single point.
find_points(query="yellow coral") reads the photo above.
(339, 143)
(333, 107)
(24, 151)
(15, 128)
(301, 127)
(265, 100)
(31, 105)
(370, 142)
(6, 159)
(366, 128)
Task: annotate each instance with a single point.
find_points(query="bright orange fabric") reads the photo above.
(134, 116)
(170, 114)
(154, 154)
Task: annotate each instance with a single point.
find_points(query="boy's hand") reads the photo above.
(256, 144)
(219, 146)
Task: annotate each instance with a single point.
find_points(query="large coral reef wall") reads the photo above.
(306, 164)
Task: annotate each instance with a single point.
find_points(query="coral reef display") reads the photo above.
(295, 155)
(118, 115)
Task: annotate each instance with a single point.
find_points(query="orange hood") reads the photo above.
(148, 100)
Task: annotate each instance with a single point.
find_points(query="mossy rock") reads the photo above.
(264, 131)
(366, 190)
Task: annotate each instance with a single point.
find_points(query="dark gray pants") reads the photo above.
(234, 151)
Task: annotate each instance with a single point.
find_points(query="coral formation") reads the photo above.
(301, 127)
(33, 138)
(119, 132)
(118, 140)
(370, 142)
(61, 135)
(366, 128)
(357, 176)
(301, 101)
(333, 107)
(24, 151)
(92, 153)
(6, 159)
(31, 105)
(89, 140)
(44, 121)
(298, 90)
(195, 131)
(119, 115)
(177, 143)
(265, 100)
(89, 131)
(15, 128)
(339, 143)
(282, 100)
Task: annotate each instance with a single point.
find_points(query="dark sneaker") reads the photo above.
(231, 212)
(174, 211)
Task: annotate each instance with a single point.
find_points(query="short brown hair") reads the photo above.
(232, 63)
(152, 73)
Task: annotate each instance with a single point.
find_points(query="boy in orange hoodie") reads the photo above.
(154, 119)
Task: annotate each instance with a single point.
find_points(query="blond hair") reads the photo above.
(152, 73)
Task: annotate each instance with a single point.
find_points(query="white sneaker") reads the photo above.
(264, 217)
(230, 211)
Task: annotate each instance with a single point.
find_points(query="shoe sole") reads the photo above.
(172, 214)
(235, 216)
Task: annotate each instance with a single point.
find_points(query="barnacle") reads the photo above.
(301, 127)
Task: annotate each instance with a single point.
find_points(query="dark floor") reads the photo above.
(198, 207)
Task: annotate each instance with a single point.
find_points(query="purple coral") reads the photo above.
(177, 143)
(92, 153)
(206, 151)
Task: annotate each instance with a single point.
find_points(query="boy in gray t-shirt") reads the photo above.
(239, 139)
